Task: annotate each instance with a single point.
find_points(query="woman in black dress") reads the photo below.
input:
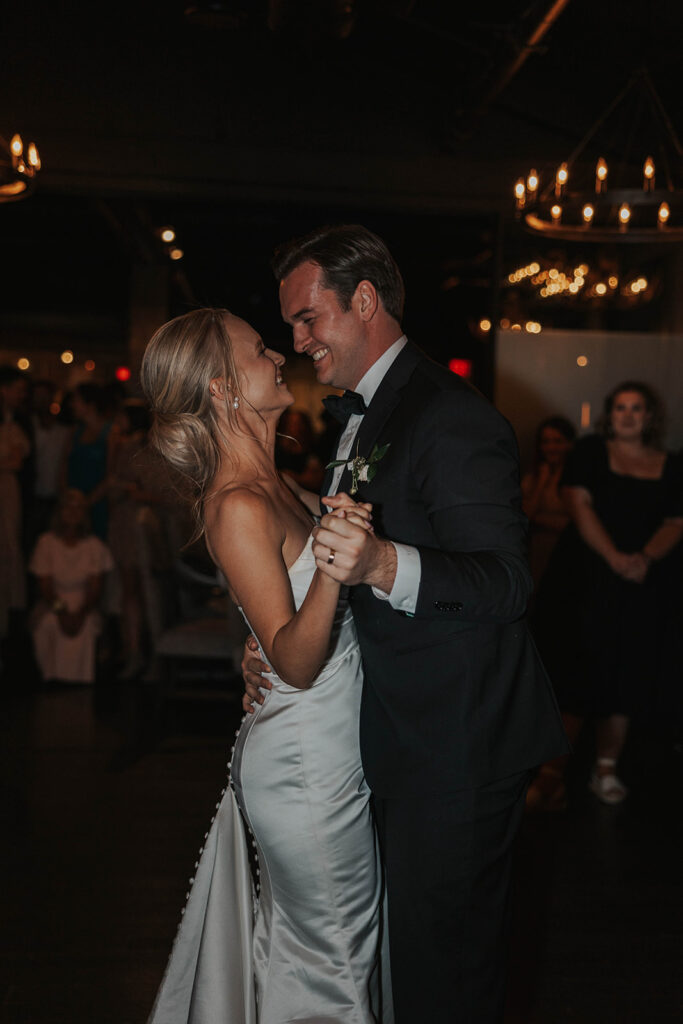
(604, 613)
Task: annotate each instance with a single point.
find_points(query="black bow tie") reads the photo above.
(344, 406)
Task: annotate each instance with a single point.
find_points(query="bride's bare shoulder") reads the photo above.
(240, 510)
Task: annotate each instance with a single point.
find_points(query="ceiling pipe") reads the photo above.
(509, 71)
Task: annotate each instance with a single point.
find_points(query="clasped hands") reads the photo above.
(345, 545)
(632, 567)
(347, 549)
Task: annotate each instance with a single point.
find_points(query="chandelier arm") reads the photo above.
(599, 123)
(635, 125)
(666, 120)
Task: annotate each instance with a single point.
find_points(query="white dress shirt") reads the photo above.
(403, 595)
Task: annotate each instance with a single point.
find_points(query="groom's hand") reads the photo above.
(359, 555)
(254, 682)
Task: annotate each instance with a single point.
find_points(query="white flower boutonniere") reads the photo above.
(362, 470)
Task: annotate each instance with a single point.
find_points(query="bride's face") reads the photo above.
(259, 369)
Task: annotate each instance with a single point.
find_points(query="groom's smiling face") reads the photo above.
(334, 338)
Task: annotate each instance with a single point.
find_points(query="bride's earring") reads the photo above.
(235, 402)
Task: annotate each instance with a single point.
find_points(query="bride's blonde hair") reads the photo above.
(180, 361)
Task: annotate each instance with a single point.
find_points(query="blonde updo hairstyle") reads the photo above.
(180, 361)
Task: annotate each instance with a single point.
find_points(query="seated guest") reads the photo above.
(70, 563)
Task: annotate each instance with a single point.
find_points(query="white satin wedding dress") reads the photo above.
(313, 955)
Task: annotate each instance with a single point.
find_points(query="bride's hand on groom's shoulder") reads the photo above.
(254, 682)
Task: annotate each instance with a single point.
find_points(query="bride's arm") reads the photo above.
(247, 539)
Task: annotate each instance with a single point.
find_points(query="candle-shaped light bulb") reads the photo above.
(33, 157)
(649, 174)
(624, 214)
(600, 176)
(588, 213)
(561, 179)
(520, 193)
(16, 145)
(532, 180)
(663, 214)
(556, 212)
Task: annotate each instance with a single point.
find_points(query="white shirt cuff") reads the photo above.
(403, 596)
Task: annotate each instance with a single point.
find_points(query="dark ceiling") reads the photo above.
(245, 123)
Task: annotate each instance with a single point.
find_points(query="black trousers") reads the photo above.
(448, 862)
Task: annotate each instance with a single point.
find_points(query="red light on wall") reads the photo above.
(463, 367)
(122, 373)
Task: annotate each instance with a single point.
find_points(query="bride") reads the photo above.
(313, 952)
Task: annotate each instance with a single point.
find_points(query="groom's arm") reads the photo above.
(464, 466)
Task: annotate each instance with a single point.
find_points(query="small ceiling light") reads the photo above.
(23, 363)
(485, 326)
(176, 254)
(89, 365)
(613, 281)
(67, 356)
(167, 235)
(601, 289)
(582, 361)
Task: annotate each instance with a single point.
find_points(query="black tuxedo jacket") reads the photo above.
(455, 696)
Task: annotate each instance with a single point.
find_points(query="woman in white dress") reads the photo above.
(70, 563)
(217, 393)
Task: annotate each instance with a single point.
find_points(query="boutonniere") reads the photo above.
(362, 470)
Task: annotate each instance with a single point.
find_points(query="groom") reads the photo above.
(456, 707)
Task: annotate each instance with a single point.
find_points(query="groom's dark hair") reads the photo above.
(347, 255)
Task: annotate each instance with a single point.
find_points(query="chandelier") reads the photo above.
(18, 168)
(619, 195)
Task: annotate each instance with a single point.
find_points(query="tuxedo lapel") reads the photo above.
(382, 405)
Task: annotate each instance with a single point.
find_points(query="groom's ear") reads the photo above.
(366, 300)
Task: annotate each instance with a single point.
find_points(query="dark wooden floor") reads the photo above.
(101, 819)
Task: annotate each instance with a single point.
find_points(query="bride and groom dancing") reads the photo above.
(401, 608)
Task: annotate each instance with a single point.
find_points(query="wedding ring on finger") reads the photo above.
(330, 557)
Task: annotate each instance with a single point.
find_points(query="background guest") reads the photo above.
(541, 500)
(138, 477)
(294, 450)
(88, 455)
(14, 450)
(70, 564)
(607, 609)
(50, 440)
